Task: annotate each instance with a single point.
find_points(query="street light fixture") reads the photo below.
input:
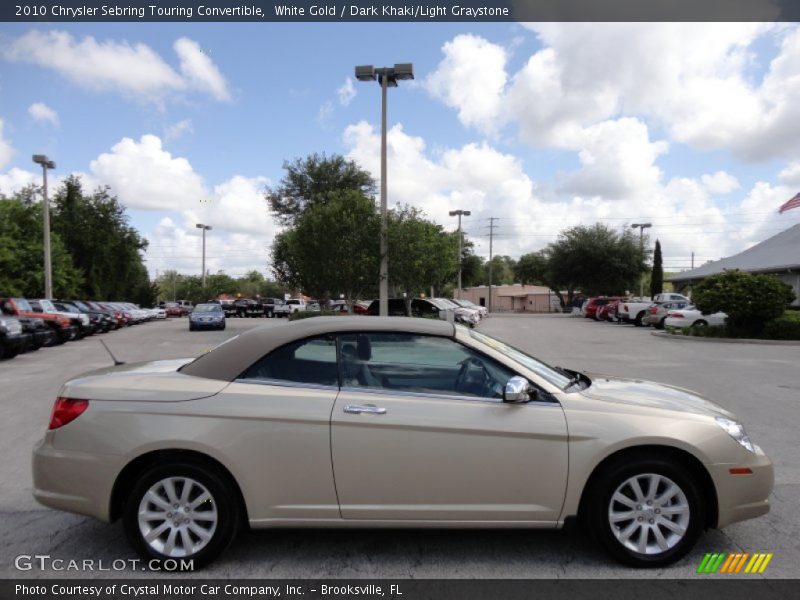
(387, 77)
(642, 227)
(459, 213)
(204, 228)
(41, 159)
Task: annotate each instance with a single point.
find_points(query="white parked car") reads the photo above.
(690, 316)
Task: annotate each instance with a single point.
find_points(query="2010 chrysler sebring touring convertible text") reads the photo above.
(353, 421)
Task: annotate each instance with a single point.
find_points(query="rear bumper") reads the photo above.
(73, 481)
(207, 325)
(742, 497)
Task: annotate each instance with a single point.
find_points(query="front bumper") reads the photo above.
(742, 497)
(208, 324)
(17, 342)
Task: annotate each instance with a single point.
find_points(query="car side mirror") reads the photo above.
(518, 390)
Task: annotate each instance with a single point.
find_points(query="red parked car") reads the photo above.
(600, 303)
(608, 312)
(19, 307)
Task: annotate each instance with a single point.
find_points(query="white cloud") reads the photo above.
(471, 78)
(720, 183)
(346, 92)
(146, 176)
(617, 160)
(16, 179)
(6, 151)
(699, 82)
(178, 130)
(110, 65)
(200, 71)
(41, 112)
(791, 174)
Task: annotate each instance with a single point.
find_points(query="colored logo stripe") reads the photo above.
(721, 562)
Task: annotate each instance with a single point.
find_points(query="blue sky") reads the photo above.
(693, 128)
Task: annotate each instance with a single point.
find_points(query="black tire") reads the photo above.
(191, 327)
(661, 323)
(699, 323)
(638, 320)
(597, 504)
(224, 498)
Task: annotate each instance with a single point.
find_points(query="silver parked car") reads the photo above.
(353, 422)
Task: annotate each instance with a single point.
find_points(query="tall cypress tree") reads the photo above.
(657, 277)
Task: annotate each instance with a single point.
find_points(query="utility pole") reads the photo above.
(692, 260)
(204, 228)
(491, 239)
(46, 164)
(459, 213)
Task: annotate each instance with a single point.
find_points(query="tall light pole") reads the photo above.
(204, 228)
(46, 163)
(642, 227)
(387, 77)
(459, 213)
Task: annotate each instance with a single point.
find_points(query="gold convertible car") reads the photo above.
(391, 422)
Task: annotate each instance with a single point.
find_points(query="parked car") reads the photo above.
(608, 311)
(173, 309)
(41, 334)
(248, 307)
(102, 321)
(635, 309)
(418, 422)
(19, 307)
(420, 307)
(657, 312)
(470, 304)
(81, 323)
(468, 316)
(590, 310)
(691, 317)
(186, 307)
(361, 307)
(289, 307)
(207, 316)
(13, 338)
(228, 307)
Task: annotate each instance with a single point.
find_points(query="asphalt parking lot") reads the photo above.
(761, 383)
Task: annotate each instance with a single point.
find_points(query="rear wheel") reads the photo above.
(181, 511)
(661, 323)
(646, 512)
(638, 320)
(699, 323)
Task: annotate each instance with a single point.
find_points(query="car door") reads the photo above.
(419, 432)
(274, 425)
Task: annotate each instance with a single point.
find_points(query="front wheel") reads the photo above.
(181, 511)
(646, 512)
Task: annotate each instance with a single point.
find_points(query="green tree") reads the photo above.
(22, 252)
(749, 300)
(315, 180)
(657, 274)
(105, 249)
(472, 270)
(593, 259)
(421, 253)
(332, 247)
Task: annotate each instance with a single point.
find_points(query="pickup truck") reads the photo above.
(62, 326)
(634, 310)
(291, 306)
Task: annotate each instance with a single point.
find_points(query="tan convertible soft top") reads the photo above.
(229, 360)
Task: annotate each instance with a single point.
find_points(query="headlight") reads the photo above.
(737, 432)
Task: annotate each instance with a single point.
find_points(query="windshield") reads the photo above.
(23, 305)
(543, 370)
(201, 308)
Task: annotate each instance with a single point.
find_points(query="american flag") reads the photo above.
(790, 204)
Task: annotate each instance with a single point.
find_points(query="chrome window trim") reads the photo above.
(433, 395)
(285, 383)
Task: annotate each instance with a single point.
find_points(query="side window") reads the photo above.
(311, 361)
(419, 363)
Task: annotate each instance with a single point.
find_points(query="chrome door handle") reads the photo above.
(357, 409)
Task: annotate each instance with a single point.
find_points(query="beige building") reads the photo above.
(514, 298)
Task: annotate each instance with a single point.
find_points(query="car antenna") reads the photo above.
(111, 354)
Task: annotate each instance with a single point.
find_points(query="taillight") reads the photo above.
(66, 410)
(625, 308)
(676, 315)
(653, 310)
